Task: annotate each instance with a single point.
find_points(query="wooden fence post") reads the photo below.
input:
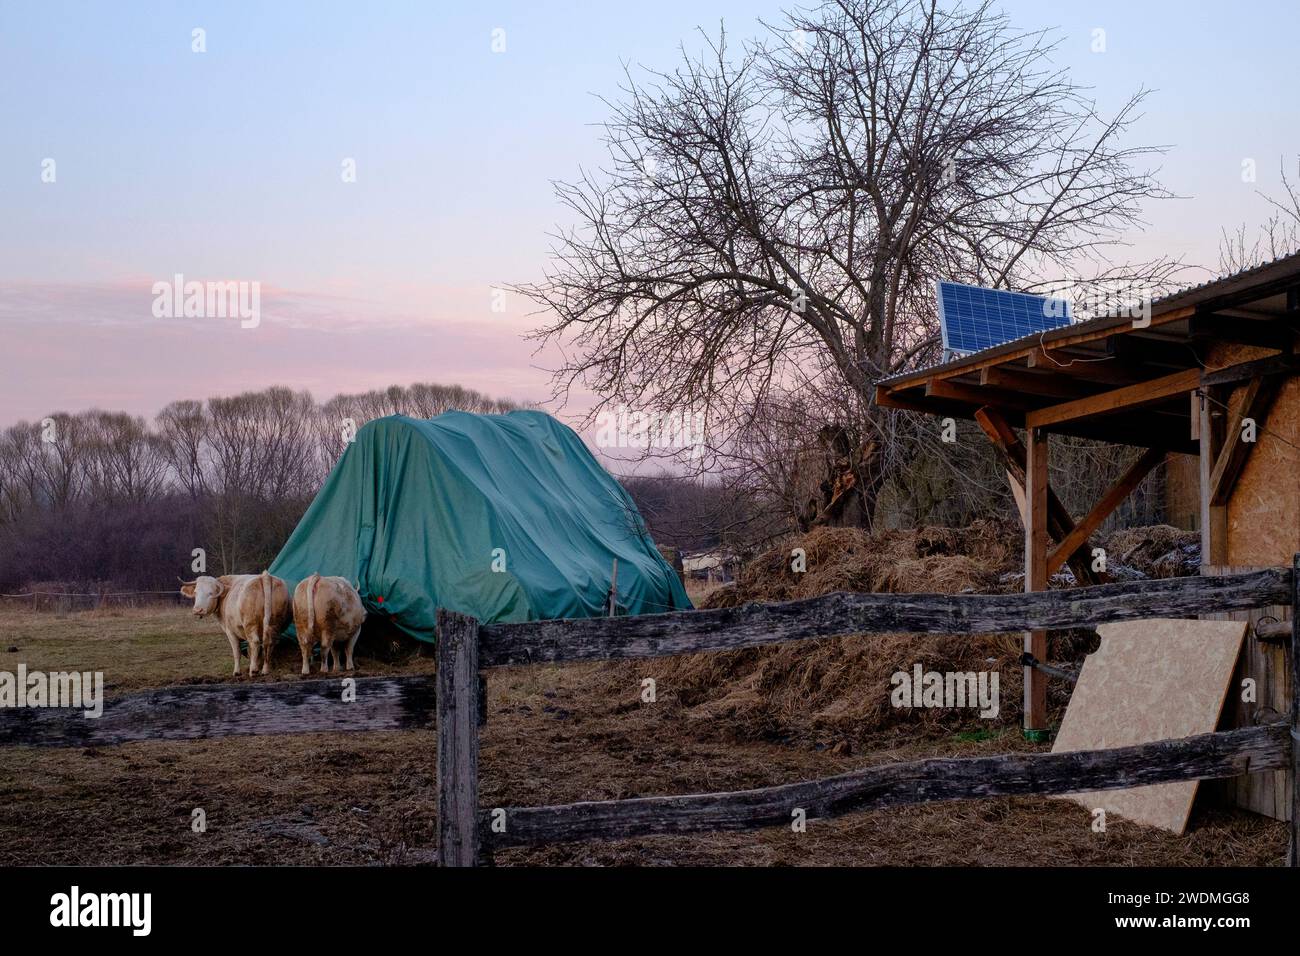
(1293, 854)
(458, 721)
(1036, 488)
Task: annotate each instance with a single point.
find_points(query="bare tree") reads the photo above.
(63, 458)
(20, 469)
(1279, 235)
(125, 461)
(787, 207)
(183, 434)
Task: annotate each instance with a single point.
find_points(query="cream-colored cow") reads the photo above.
(326, 611)
(250, 607)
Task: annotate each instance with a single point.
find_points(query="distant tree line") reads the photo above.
(106, 499)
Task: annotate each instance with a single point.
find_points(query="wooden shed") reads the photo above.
(1212, 382)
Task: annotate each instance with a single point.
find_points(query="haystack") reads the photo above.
(838, 689)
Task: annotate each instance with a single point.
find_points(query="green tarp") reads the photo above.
(505, 517)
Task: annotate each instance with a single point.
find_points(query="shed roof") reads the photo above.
(1110, 378)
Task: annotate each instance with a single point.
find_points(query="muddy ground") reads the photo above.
(554, 735)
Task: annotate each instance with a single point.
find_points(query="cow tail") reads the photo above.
(268, 589)
(311, 603)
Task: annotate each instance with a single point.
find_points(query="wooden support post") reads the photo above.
(1214, 518)
(1059, 522)
(1293, 854)
(1035, 577)
(458, 722)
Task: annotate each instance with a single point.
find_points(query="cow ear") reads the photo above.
(187, 590)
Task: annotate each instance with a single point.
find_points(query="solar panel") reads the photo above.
(973, 318)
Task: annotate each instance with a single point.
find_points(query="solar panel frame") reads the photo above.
(983, 318)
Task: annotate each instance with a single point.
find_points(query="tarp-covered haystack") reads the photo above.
(504, 517)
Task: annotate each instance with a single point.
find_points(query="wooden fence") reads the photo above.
(468, 833)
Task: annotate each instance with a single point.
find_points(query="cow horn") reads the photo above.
(183, 581)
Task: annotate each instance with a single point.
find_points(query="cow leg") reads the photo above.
(254, 652)
(234, 649)
(352, 642)
(269, 641)
(305, 647)
(326, 645)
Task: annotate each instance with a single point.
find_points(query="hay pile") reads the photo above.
(925, 560)
(836, 691)
(1159, 551)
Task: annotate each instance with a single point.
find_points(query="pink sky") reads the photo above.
(97, 345)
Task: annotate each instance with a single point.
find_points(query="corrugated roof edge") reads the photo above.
(1163, 304)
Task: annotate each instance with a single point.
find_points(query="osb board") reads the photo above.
(1269, 792)
(1264, 510)
(1156, 679)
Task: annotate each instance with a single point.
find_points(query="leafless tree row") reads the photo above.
(106, 496)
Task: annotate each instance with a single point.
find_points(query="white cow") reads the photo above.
(326, 611)
(250, 607)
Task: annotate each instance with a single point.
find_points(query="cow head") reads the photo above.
(206, 592)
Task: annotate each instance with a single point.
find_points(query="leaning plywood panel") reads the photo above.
(1150, 680)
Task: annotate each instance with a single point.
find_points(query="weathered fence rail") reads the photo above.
(466, 830)
(1203, 757)
(752, 625)
(228, 710)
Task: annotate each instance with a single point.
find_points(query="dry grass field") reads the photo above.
(554, 734)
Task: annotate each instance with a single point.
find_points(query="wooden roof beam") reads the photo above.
(935, 406)
(1245, 371)
(1051, 386)
(976, 395)
(1115, 400)
(1107, 370)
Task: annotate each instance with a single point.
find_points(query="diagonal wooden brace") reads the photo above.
(1078, 537)
(1059, 522)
